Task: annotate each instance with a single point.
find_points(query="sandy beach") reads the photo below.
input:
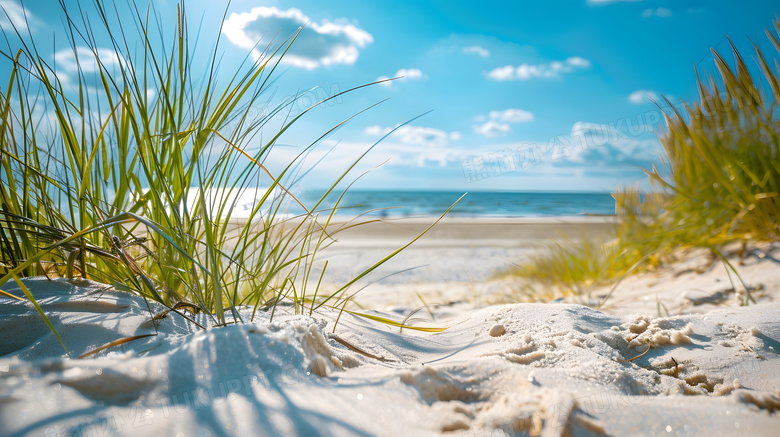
(708, 368)
(458, 259)
(389, 219)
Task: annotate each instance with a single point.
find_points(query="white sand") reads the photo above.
(456, 261)
(558, 369)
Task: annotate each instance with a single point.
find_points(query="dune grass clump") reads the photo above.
(571, 266)
(131, 173)
(721, 183)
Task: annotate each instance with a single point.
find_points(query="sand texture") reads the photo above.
(709, 368)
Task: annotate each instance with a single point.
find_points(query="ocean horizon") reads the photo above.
(495, 204)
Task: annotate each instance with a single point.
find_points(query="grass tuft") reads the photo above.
(720, 184)
(131, 175)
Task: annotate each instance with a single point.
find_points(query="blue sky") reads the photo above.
(517, 95)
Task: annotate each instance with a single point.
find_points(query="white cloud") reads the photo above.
(14, 15)
(502, 73)
(423, 136)
(578, 62)
(602, 131)
(615, 147)
(410, 73)
(512, 115)
(477, 50)
(416, 135)
(439, 157)
(84, 57)
(318, 44)
(497, 123)
(529, 71)
(403, 74)
(492, 128)
(604, 2)
(642, 96)
(376, 130)
(626, 143)
(659, 12)
(628, 152)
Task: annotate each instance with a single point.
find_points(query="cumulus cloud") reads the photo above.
(600, 132)
(403, 74)
(658, 12)
(376, 130)
(578, 62)
(530, 71)
(631, 152)
(627, 142)
(512, 115)
(492, 128)
(502, 73)
(497, 123)
(318, 44)
(411, 73)
(70, 61)
(643, 96)
(619, 148)
(13, 15)
(416, 135)
(477, 50)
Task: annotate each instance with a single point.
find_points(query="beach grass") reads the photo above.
(130, 173)
(720, 185)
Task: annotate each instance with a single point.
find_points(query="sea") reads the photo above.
(392, 203)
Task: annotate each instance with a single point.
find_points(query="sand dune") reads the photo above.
(517, 369)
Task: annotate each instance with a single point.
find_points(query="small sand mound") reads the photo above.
(658, 331)
(106, 385)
